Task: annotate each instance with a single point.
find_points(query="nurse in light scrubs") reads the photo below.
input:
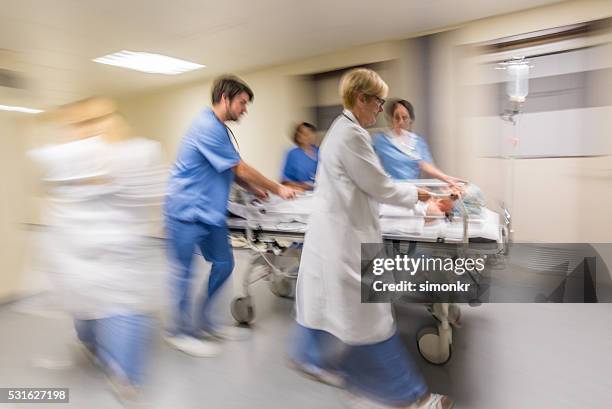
(403, 153)
(339, 339)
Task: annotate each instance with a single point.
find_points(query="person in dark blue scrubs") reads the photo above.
(301, 162)
(196, 207)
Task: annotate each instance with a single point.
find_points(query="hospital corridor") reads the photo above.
(302, 205)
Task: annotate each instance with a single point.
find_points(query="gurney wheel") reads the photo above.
(432, 348)
(283, 287)
(242, 310)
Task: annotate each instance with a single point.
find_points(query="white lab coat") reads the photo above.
(350, 184)
(102, 197)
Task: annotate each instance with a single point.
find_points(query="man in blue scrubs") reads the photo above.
(196, 208)
(301, 162)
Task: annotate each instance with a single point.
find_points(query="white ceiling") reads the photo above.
(52, 42)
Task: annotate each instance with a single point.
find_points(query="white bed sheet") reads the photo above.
(292, 216)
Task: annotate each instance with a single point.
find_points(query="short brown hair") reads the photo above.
(230, 86)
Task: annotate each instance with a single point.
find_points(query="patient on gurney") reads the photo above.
(440, 208)
(471, 197)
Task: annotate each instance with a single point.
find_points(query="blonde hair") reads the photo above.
(361, 80)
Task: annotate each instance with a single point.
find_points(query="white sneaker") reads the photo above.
(230, 333)
(434, 401)
(195, 347)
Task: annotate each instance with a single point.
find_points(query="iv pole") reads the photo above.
(517, 88)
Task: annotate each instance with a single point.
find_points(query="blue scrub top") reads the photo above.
(402, 163)
(202, 175)
(299, 167)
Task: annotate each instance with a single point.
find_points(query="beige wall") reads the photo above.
(553, 199)
(569, 12)
(281, 99)
(262, 135)
(23, 199)
(541, 212)
(13, 190)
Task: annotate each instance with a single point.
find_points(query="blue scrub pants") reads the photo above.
(213, 242)
(120, 343)
(383, 372)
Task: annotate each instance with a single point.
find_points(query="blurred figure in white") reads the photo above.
(103, 187)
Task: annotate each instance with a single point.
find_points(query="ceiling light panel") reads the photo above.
(148, 62)
(20, 109)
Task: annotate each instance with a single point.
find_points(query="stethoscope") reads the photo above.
(348, 117)
(233, 136)
(232, 133)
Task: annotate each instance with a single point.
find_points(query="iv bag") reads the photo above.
(517, 86)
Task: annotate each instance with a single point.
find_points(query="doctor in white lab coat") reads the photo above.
(340, 340)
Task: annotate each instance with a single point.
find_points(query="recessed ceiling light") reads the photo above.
(149, 63)
(20, 109)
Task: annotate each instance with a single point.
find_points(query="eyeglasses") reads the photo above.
(381, 101)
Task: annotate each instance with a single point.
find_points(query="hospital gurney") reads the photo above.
(274, 231)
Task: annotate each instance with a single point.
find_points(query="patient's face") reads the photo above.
(437, 208)
(445, 204)
(433, 209)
